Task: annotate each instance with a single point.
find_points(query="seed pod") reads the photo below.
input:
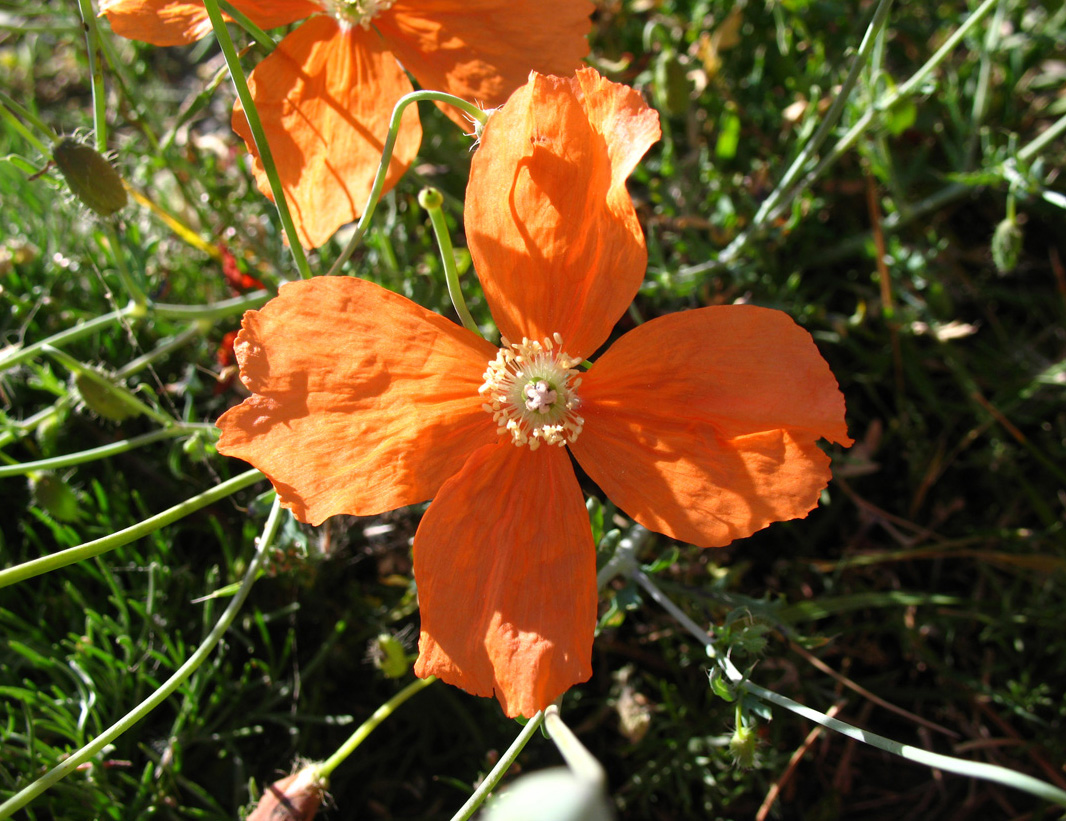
(103, 400)
(52, 493)
(89, 176)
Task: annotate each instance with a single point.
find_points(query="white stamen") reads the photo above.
(529, 390)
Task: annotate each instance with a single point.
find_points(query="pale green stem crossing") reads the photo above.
(62, 558)
(476, 115)
(431, 199)
(326, 768)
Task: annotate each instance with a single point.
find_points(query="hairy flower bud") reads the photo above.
(89, 176)
(296, 797)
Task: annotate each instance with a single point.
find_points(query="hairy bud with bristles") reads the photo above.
(90, 177)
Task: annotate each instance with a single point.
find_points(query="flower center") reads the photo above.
(358, 12)
(530, 390)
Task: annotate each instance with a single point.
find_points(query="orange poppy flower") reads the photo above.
(326, 94)
(700, 425)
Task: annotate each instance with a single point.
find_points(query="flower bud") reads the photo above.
(294, 798)
(89, 176)
(1007, 245)
(742, 746)
(52, 494)
(389, 655)
(101, 399)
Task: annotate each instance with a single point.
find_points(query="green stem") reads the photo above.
(493, 778)
(475, 113)
(69, 335)
(133, 290)
(431, 199)
(119, 392)
(164, 348)
(580, 761)
(265, 41)
(367, 727)
(1050, 135)
(959, 766)
(102, 452)
(62, 558)
(15, 113)
(236, 74)
(27, 426)
(96, 72)
(168, 688)
(214, 311)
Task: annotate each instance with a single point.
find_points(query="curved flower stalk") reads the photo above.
(326, 94)
(701, 425)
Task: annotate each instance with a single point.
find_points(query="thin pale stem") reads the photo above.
(580, 761)
(265, 41)
(217, 310)
(16, 113)
(476, 115)
(62, 558)
(164, 348)
(326, 768)
(133, 290)
(244, 94)
(431, 199)
(959, 766)
(1040, 143)
(96, 73)
(496, 773)
(104, 451)
(168, 688)
(69, 335)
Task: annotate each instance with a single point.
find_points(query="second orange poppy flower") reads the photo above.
(326, 94)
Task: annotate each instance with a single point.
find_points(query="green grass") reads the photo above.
(931, 575)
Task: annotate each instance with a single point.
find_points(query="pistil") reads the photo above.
(530, 390)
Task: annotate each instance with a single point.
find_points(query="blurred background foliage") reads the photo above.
(927, 261)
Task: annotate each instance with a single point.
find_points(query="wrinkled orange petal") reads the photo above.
(702, 425)
(178, 22)
(270, 14)
(325, 96)
(506, 575)
(363, 401)
(550, 225)
(482, 50)
(160, 22)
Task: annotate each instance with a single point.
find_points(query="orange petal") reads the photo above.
(482, 50)
(702, 424)
(506, 574)
(325, 96)
(363, 401)
(270, 14)
(160, 22)
(178, 23)
(550, 225)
